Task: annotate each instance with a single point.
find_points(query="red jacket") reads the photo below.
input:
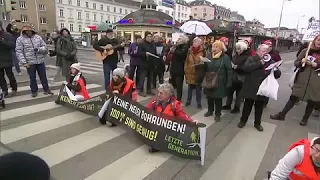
(168, 110)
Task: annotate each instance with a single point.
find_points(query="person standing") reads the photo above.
(135, 61)
(195, 52)
(145, 51)
(66, 52)
(6, 62)
(13, 30)
(159, 62)
(228, 50)
(31, 52)
(111, 61)
(254, 67)
(55, 37)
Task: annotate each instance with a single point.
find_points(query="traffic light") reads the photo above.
(10, 5)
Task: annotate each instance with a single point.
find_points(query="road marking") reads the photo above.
(240, 160)
(140, 163)
(34, 109)
(41, 95)
(22, 132)
(84, 71)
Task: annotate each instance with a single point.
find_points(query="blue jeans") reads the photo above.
(198, 89)
(15, 62)
(41, 70)
(107, 69)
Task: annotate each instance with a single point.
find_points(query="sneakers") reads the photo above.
(34, 94)
(48, 93)
(20, 74)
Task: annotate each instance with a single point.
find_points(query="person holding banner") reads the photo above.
(165, 103)
(120, 84)
(77, 83)
(307, 82)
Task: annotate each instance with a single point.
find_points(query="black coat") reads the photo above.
(111, 60)
(147, 62)
(178, 58)
(255, 74)
(159, 63)
(6, 47)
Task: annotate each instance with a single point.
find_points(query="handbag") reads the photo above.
(210, 80)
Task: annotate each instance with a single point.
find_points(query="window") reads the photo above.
(109, 18)
(120, 10)
(114, 9)
(94, 6)
(1, 2)
(94, 17)
(42, 7)
(114, 19)
(101, 7)
(126, 11)
(87, 5)
(71, 27)
(87, 16)
(78, 3)
(79, 15)
(167, 12)
(70, 13)
(70, 2)
(102, 17)
(22, 4)
(24, 18)
(60, 1)
(61, 13)
(108, 8)
(80, 28)
(43, 20)
(61, 25)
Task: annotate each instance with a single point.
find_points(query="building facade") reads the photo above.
(283, 33)
(239, 17)
(79, 14)
(222, 12)
(202, 10)
(182, 11)
(256, 27)
(39, 13)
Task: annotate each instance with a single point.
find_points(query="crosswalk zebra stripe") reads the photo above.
(27, 97)
(140, 163)
(84, 71)
(22, 132)
(243, 155)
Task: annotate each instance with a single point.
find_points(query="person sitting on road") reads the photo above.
(165, 103)
(120, 84)
(77, 83)
(302, 162)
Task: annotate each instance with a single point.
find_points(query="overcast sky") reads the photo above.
(268, 11)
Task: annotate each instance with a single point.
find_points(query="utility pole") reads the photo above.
(174, 15)
(37, 14)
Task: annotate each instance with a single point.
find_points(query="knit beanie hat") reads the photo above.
(20, 166)
(76, 66)
(118, 72)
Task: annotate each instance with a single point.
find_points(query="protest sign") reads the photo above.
(91, 106)
(312, 31)
(179, 137)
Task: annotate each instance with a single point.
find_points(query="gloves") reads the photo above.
(36, 50)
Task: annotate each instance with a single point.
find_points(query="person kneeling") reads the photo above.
(77, 83)
(120, 84)
(165, 103)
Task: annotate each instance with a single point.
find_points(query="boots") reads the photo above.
(303, 122)
(281, 115)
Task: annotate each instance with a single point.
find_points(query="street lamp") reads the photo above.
(299, 22)
(278, 30)
(235, 26)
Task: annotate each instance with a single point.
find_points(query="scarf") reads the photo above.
(195, 50)
(76, 78)
(116, 87)
(216, 56)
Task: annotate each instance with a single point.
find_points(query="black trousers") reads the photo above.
(293, 100)
(134, 69)
(247, 108)
(214, 104)
(143, 75)
(158, 74)
(235, 88)
(177, 82)
(12, 79)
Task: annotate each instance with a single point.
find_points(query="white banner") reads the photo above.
(312, 31)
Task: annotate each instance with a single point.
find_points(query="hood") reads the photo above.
(26, 28)
(64, 29)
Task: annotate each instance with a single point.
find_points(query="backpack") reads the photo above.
(173, 107)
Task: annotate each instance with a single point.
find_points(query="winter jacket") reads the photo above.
(111, 60)
(6, 47)
(147, 62)
(25, 48)
(178, 59)
(134, 59)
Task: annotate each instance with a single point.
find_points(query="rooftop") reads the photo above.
(182, 2)
(200, 3)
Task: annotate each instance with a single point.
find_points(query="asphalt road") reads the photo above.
(77, 147)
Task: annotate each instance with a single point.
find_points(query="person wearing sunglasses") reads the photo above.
(302, 162)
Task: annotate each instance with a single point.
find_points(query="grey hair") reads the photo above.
(198, 39)
(167, 87)
(263, 46)
(242, 46)
(184, 38)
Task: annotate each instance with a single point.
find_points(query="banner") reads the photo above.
(179, 137)
(312, 31)
(91, 106)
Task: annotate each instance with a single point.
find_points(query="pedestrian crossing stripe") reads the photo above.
(77, 147)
